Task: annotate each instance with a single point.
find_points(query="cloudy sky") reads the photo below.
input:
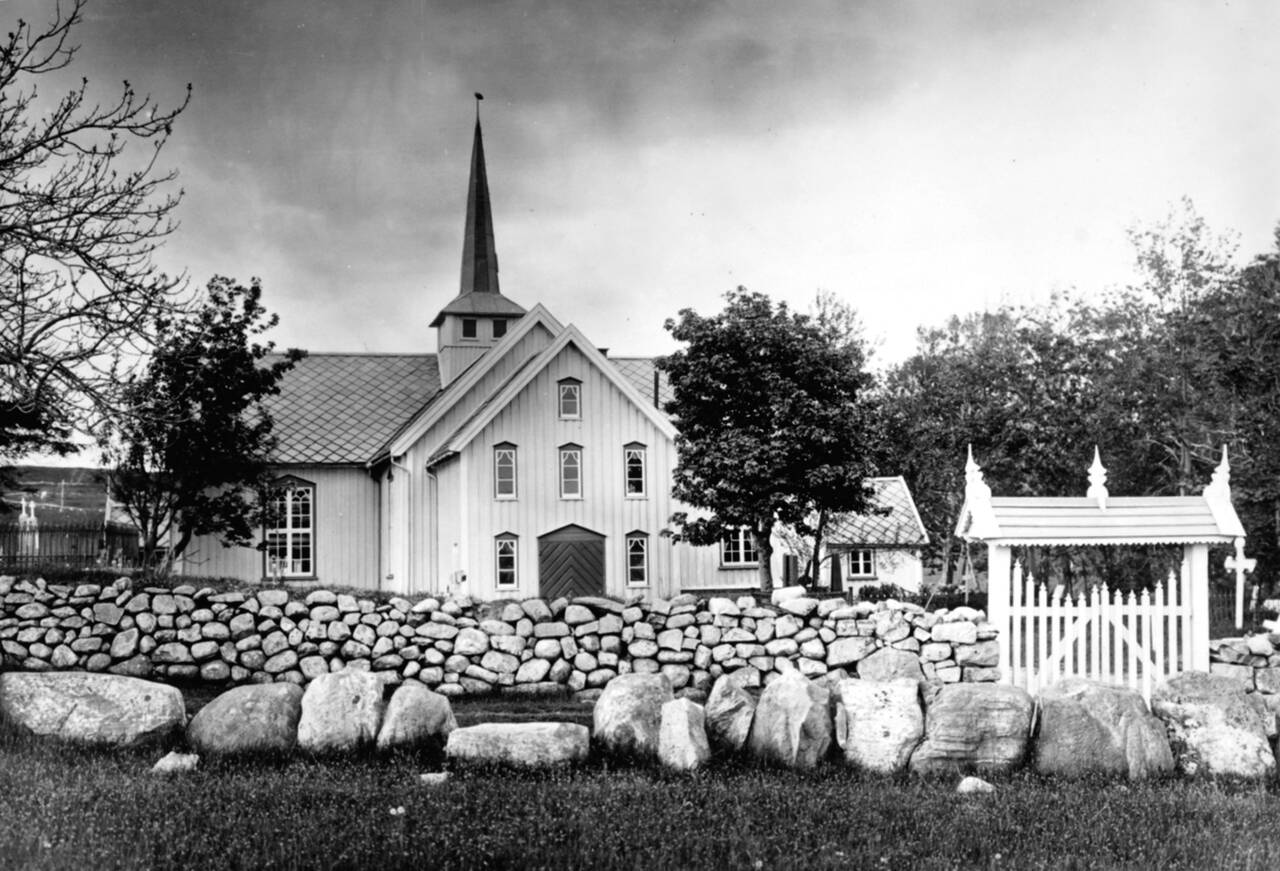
(915, 158)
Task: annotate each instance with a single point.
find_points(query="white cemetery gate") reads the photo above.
(1130, 639)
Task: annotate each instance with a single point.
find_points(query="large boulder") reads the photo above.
(415, 716)
(792, 724)
(879, 723)
(888, 664)
(1093, 728)
(983, 727)
(91, 708)
(252, 719)
(341, 712)
(729, 711)
(628, 715)
(529, 745)
(682, 738)
(1214, 726)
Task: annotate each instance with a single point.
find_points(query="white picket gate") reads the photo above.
(1133, 640)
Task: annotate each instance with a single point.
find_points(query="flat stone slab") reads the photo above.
(527, 745)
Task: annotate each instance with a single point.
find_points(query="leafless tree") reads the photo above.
(80, 220)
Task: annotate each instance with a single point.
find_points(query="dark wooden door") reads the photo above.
(571, 563)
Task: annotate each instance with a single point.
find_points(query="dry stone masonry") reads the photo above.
(458, 647)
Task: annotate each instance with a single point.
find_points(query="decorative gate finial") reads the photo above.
(1098, 480)
(1220, 484)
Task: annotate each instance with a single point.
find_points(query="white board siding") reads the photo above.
(345, 537)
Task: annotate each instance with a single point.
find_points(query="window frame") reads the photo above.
(498, 450)
(564, 452)
(289, 533)
(499, 327)
(640, 451)
(473, 324)
(739, 540)
(509, 542)
(855, 572)
(564, 387)
(637, 537)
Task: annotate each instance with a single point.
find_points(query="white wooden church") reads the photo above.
(517, 460)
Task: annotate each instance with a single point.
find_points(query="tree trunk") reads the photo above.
(764, 551)
(815, 562)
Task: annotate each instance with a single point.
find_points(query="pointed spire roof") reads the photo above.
(479, 294)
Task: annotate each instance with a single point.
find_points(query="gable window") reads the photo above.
(637, 559)
(738, 549)
(633, 470)
(570, 471)
(862, 563)
(570, 398)
(468, 328)
(505, 560)
(499, 328)
(289, 529)
(504, 471)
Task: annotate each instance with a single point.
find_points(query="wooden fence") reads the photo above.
(69, 545)
(1130, 639)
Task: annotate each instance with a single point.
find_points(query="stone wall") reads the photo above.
(1254, 661)
(459, 647)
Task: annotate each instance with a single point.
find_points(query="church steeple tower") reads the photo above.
(477, 318)
(479, 253)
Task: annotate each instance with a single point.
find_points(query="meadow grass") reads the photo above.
(66, 807)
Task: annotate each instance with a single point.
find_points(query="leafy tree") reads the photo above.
(79, 221)
(189, 453)
(771, 418)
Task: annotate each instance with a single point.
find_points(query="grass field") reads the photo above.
(63, 807)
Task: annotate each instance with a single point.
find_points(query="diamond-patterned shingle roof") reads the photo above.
(342, 408)
(891, 519)
(639, 371)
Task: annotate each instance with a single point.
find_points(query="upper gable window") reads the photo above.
(570, 398)
(469, 328)
(633, 462)
(499, 328)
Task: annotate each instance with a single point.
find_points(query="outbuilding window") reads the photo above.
(738, 548)
(637, 559)
(504, 471)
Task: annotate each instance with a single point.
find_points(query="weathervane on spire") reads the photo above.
(479, 97)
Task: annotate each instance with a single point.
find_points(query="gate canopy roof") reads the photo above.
(1099, 518)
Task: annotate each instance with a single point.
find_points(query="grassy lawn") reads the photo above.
(62, 807)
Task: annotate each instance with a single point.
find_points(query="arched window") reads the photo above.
(637, 559)
(504, 471)
(570, 471)
(506, 560)
(570, 398)
(289, 528)
(633, 463)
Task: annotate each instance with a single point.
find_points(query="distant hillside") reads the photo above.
(67, 495)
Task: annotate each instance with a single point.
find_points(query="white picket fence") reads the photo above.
(1133, 640)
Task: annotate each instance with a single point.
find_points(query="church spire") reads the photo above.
(479, 253)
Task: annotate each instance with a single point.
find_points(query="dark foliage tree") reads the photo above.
(773, 426)
(188, 454)
(80, 218)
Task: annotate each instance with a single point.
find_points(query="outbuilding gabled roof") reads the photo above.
(891, 519)
(343, 408)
